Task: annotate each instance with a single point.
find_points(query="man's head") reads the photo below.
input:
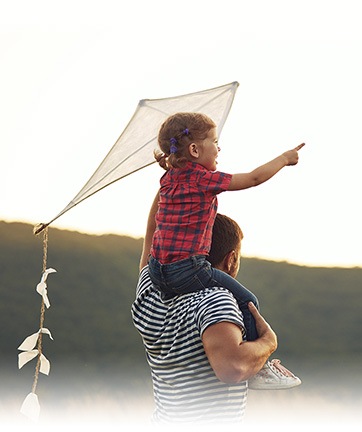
(226, 245)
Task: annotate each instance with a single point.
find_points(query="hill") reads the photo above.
(315, 311)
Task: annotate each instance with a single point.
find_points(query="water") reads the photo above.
(329, 398)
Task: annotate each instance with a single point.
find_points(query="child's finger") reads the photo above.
(300, 146)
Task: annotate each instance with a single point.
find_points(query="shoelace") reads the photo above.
(280, 369)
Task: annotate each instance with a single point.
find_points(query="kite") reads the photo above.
(133, 151)
(134, 148)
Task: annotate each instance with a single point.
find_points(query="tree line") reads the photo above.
(315, 311)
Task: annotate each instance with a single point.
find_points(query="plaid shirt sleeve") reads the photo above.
(215, 182)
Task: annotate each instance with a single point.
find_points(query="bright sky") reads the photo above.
(72, 73)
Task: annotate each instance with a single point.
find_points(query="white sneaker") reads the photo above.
(273, 376)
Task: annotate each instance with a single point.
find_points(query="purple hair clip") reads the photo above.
(186, 132)
(173, 148)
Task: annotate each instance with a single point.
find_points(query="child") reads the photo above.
(188, 206)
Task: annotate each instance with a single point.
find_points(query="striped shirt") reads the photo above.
(187, 211)
(185, 386)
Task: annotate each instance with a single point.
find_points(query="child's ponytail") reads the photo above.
(161, 159)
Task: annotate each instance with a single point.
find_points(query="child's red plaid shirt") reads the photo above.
(187, 211)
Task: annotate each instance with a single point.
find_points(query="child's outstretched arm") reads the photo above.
(151, 226)
(264, 172)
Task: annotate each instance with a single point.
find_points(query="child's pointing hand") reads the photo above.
(292, 155)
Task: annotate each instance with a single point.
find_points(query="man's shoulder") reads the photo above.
(218, 305)
(144, 280)
(215, 302)
(202, 308)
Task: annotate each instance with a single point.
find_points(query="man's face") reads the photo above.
(234, 269)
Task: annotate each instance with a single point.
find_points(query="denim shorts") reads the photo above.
(181, 277)
(196, 273)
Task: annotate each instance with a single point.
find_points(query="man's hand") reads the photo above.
(232, 359)
(264, 330)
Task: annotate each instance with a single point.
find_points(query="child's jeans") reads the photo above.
(194, 274)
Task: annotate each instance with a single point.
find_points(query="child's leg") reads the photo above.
(179, 277)
(243, 297)
(194, 274)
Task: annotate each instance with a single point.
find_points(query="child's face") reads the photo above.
(209, 150)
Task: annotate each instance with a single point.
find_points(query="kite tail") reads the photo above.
(30, 406)
(42, 309)
(39, 228)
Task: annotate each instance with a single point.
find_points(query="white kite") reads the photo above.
(134, 148)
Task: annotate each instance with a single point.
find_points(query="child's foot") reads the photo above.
(273, 376)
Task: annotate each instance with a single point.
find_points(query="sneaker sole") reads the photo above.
(274, 386)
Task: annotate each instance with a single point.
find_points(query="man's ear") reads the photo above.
(194, 150)
(229, 261)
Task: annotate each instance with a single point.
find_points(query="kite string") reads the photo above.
(42, 310)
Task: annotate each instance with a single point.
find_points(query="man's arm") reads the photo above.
(232, 359)
(151, 226)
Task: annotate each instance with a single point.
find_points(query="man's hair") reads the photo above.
(226, 236)
(179, 131)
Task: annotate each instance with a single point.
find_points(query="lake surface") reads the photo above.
(329, 397)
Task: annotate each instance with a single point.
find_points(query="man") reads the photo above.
(195, 344)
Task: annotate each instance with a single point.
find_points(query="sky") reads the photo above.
(72, 73)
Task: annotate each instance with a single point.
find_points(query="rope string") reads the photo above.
(42, 310)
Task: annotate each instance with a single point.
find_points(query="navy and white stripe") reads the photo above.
(186, 388)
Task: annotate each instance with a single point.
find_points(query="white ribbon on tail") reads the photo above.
(30, 407)
(42, 286)
(29, 353)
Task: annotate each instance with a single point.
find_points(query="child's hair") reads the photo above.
(176, 134)
(226, 236)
